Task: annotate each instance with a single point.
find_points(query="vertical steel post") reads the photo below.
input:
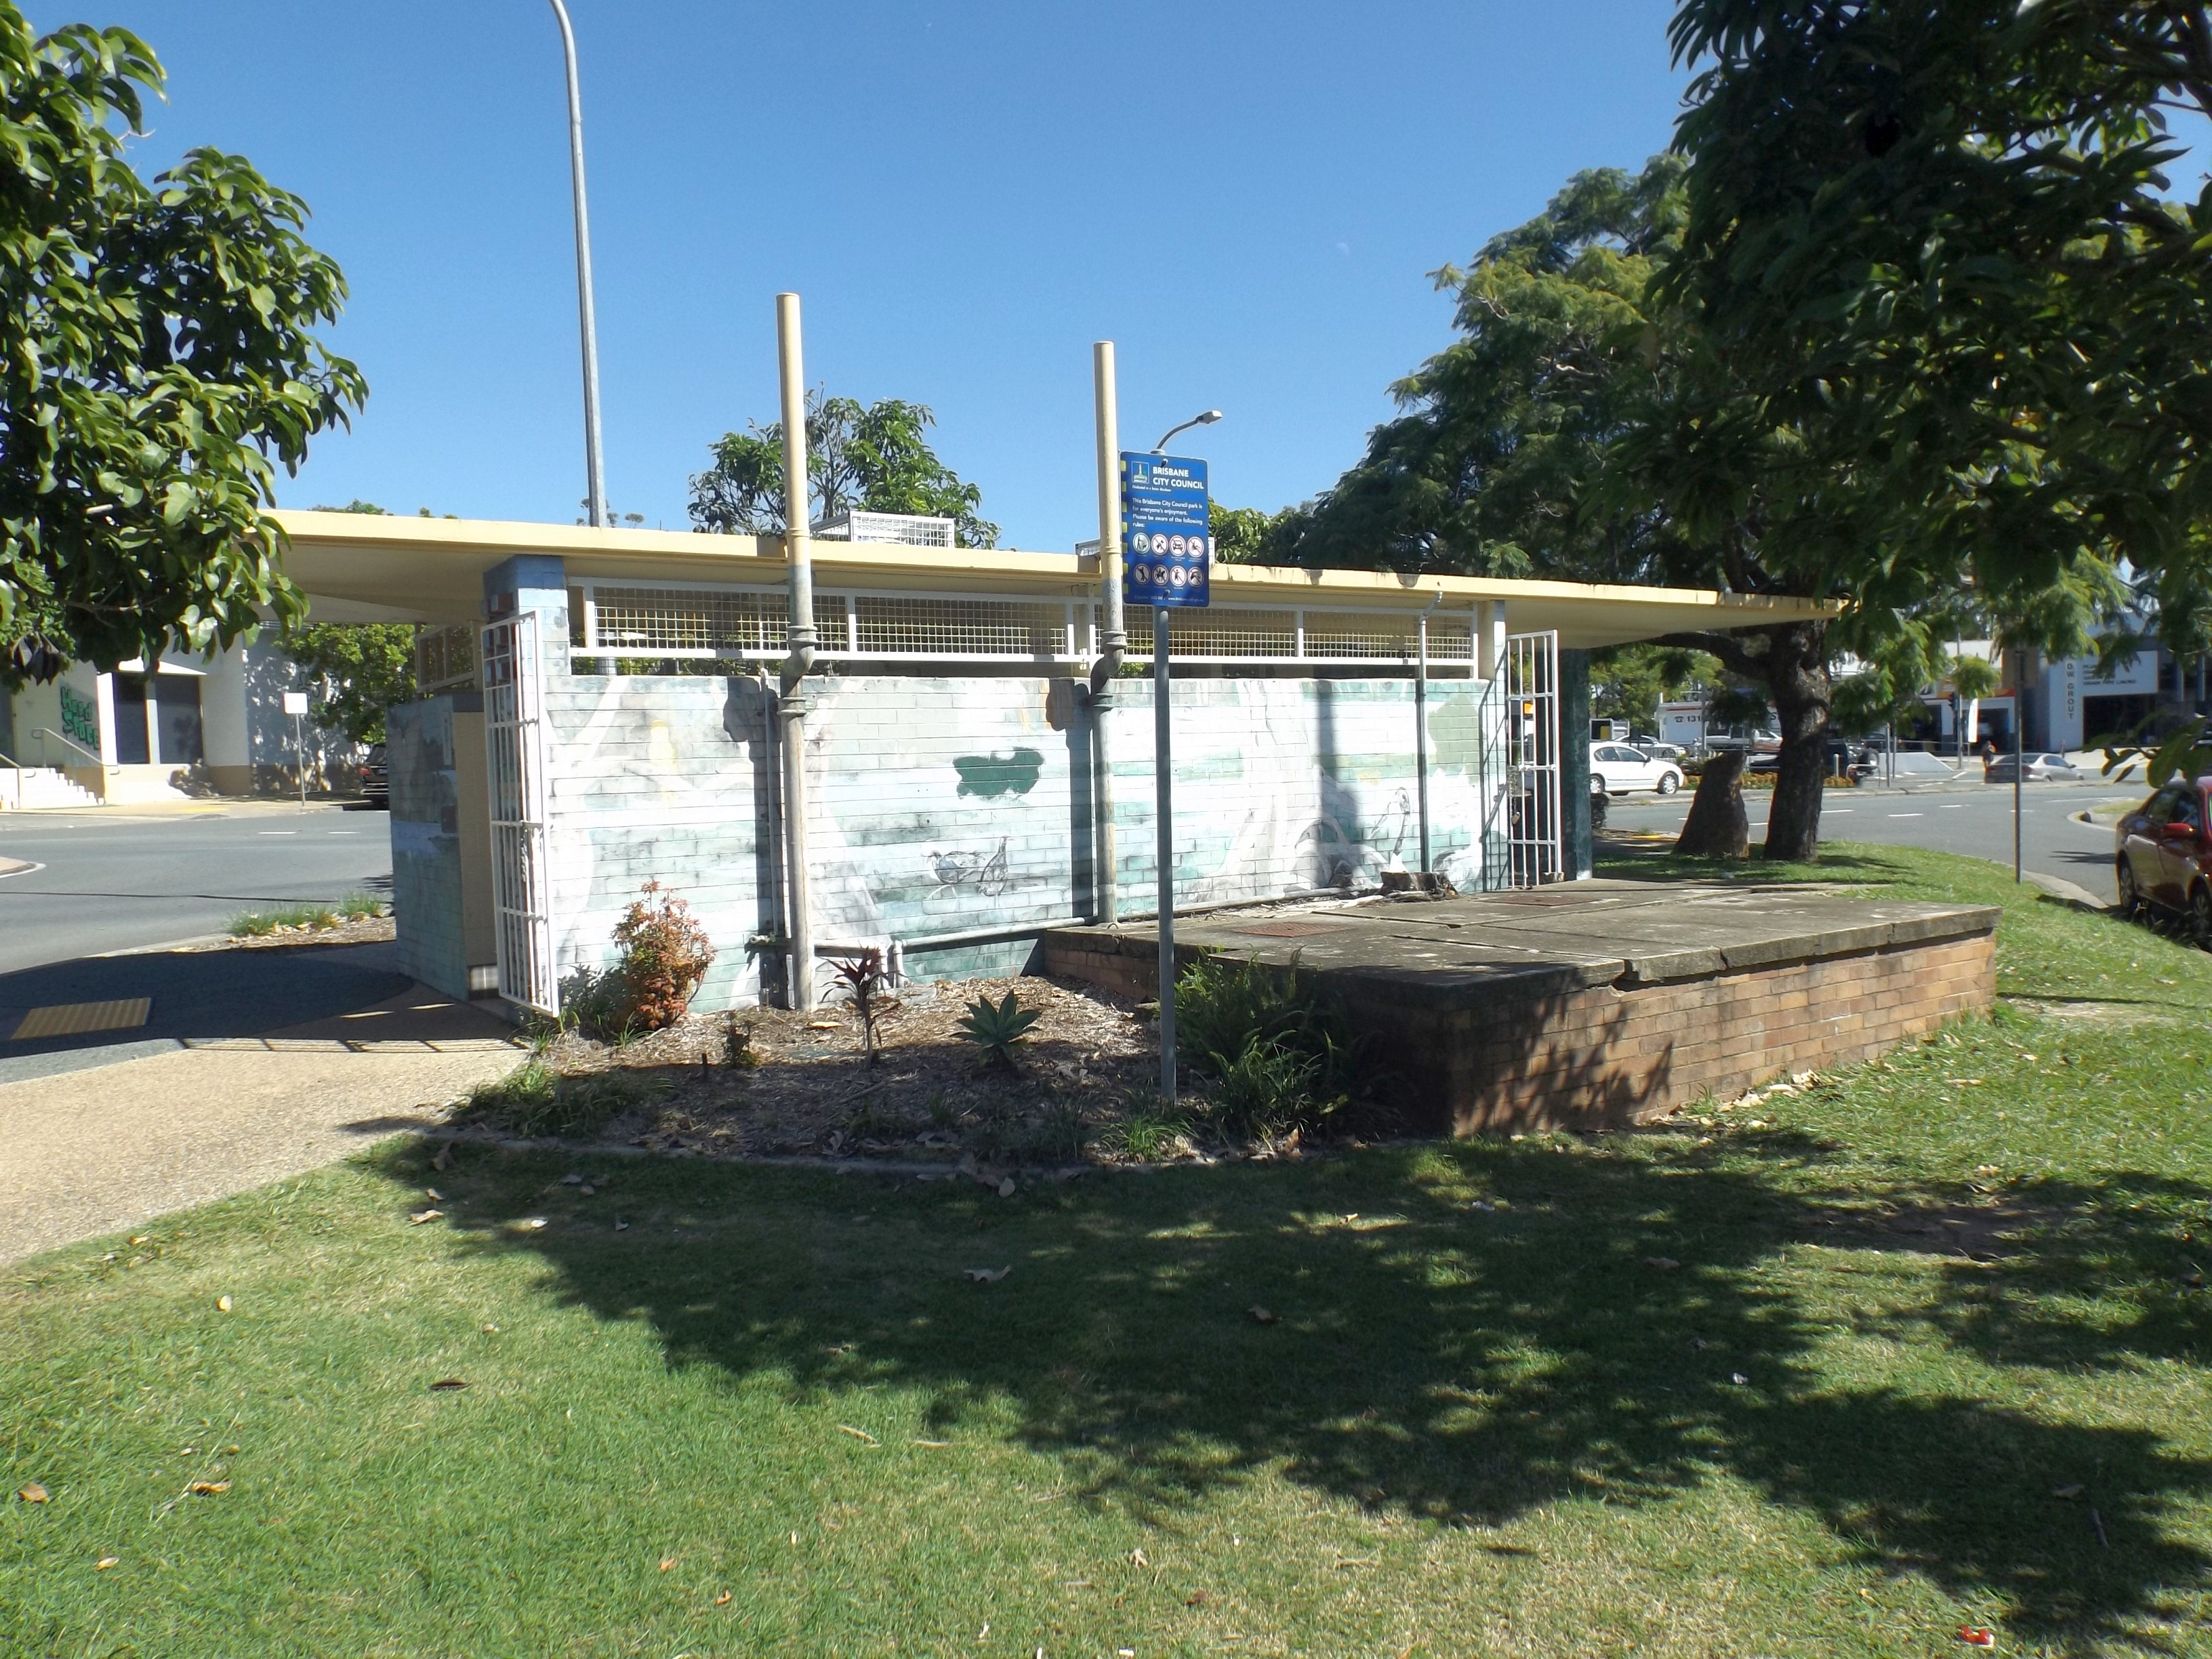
(798, 550)
(595, 481)
(1163, 811)
(1106, 671)
(2019, 765)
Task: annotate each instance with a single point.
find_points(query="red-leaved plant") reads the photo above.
(665, 955)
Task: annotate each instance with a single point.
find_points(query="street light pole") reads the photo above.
(595, 481)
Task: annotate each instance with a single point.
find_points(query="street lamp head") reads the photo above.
(1205, 418)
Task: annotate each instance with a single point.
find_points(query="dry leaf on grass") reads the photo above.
(989, 1275)
(106, 1562)
(208, 1488)
(1195, 1598)
(444, 1157)
(1138, 1558)
(859, 1434)
(935, 1445)
(1262, 1316)
(223, 1304)
(433, 1194)
(723, 1599)
(1665, 1264)
(447, 1385)
(1975, 1637)
(34, 1493)
(667, 1562)
(418, 1216)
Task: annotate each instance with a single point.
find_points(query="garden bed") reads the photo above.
(769, 1082)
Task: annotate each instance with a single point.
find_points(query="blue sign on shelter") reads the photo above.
(1166, 545)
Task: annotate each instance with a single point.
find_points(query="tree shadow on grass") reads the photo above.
(1463, 1333)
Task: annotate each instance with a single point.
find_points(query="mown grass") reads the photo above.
(724, 1410)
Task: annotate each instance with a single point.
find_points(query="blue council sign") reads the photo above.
(1166, 547)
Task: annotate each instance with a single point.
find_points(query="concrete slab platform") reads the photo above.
(1599, 1001)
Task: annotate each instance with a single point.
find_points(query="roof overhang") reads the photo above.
(362, 567)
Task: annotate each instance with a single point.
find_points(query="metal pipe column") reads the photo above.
(798, 550)
(1107, 669)
(595, 480)
(1163, 811)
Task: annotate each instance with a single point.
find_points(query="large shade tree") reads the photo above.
(1939, 240)
(158, 363)
(1581, 426)
(871, 458)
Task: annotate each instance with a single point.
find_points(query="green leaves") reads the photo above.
(872, 458)
(994, 1028)
(157, 363)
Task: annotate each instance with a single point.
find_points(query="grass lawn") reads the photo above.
(1917, 1348)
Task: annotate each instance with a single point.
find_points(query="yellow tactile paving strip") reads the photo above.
(75, 1018)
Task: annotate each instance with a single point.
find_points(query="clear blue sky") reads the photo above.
(1247, 197)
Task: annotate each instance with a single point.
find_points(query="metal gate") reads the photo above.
(1534, 822)
(514, 752)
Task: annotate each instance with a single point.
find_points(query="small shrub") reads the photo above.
(535, 1100)
(662, 956)
(1058, 1135)
(597, 1003)
(1146, 1135)
(865, 981)
(1280, 1052)
(943, 1113)
(359, 906)
(259, 924)
(738, 1043)
(995, 1028)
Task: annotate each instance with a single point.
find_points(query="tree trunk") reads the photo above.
(1795, 662)
(1717, 827)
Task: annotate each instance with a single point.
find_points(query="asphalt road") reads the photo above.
(1974, 818)
(110, 880)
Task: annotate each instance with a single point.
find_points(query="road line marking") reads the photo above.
(1908, 815)
(75, 1018)
(275, 832)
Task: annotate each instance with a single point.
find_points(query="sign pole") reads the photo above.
(295, 705)
(1167, 558)
(1163, 773)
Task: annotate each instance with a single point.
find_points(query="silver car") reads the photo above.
(2033, 768)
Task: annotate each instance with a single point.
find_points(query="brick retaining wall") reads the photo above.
(1606, 1055)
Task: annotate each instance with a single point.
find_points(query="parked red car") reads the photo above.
(2164, 855)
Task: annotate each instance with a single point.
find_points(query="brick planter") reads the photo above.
(1600, 1004)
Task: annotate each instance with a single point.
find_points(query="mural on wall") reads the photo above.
(985, 873)
(80, 719)
(945, 805)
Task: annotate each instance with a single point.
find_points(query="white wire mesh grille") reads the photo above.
(606, 620)
(1232, 633)
(1368, 638)
(668, 622)
(960, 628)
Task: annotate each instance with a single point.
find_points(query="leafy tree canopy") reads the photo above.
(1582, 427)
(1247, 534)
(1935, 236)
(157, 363)
(872, 458)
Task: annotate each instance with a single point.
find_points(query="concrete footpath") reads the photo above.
(99, 1150)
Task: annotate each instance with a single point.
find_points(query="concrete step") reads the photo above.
(33, 786)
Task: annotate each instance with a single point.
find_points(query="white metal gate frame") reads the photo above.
(514, 757)
(1535, 823)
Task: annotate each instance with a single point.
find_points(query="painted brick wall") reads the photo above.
(426, 849)
(949, 805)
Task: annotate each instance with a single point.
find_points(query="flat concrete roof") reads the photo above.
(1545, 941)
(360, 568)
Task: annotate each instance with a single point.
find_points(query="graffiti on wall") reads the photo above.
(984, 872)
(80, 720)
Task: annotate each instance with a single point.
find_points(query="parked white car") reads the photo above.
(1617, 769)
